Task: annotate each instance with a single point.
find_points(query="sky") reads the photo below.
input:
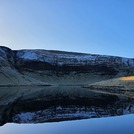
(90, 26)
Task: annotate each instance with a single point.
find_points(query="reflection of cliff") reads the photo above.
(40, 67)
(72, 112)
(58, 103)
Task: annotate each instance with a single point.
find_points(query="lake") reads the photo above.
(65, 109)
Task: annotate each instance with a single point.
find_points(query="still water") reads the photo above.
(111, 125)
(65, 110)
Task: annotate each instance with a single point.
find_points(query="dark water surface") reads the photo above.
(65, 110)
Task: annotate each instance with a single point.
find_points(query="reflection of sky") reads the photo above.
(111, 125)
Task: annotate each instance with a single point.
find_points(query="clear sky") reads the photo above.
(92, 26)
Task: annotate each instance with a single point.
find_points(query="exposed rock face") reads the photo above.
(24, 67)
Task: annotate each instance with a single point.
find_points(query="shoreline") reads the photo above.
(24, 85)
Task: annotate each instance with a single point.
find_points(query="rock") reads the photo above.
(40, 67)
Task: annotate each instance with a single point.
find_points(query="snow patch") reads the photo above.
(29, 56)
(72, 58)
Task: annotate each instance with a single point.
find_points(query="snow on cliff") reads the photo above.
(64, 58)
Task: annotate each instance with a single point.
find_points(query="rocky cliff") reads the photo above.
(41, 67)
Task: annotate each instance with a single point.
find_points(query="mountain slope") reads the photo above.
(36, 67)
(9, 75)
(120, 84)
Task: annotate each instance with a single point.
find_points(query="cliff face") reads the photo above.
(9, 74)
(37, 67)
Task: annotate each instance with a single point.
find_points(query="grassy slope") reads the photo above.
(126, 83)
(12, 77)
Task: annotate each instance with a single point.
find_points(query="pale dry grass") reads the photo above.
(128, 78)
(127, 83)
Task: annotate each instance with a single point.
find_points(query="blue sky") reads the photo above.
(91, 26)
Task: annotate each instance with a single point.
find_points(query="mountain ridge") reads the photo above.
(41, 67)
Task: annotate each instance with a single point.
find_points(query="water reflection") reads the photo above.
(111, 125)
(60, 103)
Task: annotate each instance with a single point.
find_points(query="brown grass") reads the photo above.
(128, 78)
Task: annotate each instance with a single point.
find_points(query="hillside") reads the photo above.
(42, 67)
(121, 83)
